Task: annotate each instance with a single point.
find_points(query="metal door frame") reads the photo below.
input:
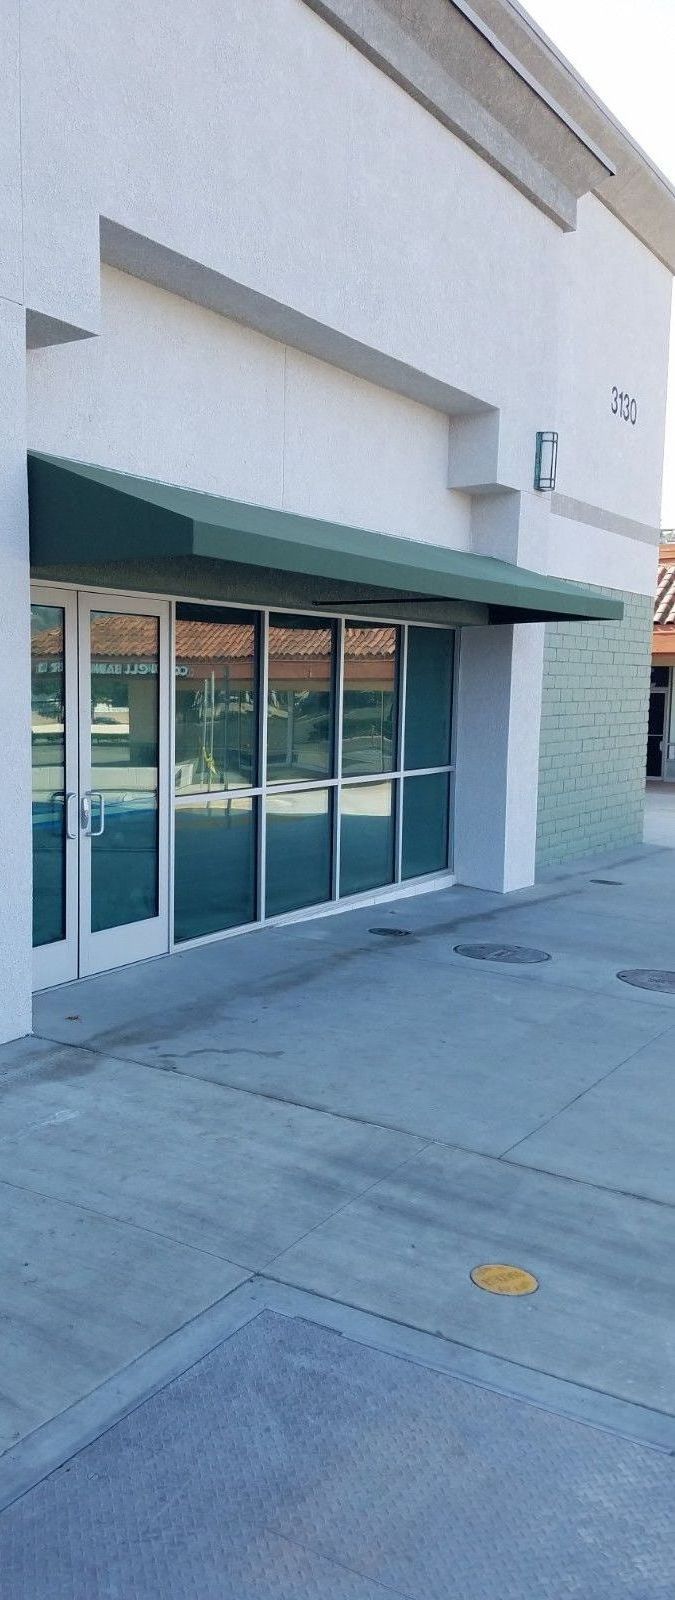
(58, 962)
(82, 953)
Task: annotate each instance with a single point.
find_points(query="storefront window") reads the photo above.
(428, 697)
(369, 700)
(308, 828)
(299, 699)
(214, 870)
(425, 825)
(366, 836)
(216, 734)
(298, 861)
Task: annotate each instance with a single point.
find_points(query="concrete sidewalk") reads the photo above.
(660, 814)
(363, 1119)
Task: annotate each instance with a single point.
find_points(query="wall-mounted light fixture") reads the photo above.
(546, 461)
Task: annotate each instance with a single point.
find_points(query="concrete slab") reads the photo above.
(81, 1297)
(293, 1461)
(589, 942)
(603, 1316)
(660, 814)
(402, 1033)
(621, 1134)
(229, 1173)
(303, 1070)
(49, 1446)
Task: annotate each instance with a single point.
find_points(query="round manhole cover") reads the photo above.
(657, 979)
(391, 933)
(515, 955)
(500, 1279)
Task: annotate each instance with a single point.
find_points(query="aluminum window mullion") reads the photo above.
(393, 776)
(263, 688)
(172, 768)
(400, 737)
(299, 785)
(337, 797)
(200, 796)
(452, 782)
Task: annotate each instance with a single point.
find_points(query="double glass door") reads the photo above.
(100, 732)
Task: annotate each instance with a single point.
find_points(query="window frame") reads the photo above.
(338, 781)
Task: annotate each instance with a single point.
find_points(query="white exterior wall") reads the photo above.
(172, 391)
(614, 321)
(405, 282)
(15, 792)
(256, 141)
(15, 789)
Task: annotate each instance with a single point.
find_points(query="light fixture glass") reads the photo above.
(546, 460)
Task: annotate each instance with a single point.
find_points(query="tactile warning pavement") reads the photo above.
(292, 1463)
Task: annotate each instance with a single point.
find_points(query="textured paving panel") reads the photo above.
(292, 1462)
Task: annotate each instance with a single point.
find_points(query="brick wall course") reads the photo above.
(594, 733)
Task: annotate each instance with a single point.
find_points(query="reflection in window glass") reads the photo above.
(48, 761)
(214, 878)
(369, 700)
(215, 699)
(366, 837)
(300, 699)
(298, 860)
(428, 697)
(425, 825)
(124, 762)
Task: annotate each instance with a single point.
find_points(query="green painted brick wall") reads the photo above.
(594, 733)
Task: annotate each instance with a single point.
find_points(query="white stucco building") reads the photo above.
(288, 292)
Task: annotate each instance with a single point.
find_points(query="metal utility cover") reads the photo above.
(514, 955)
(655, 978)
(500, 1279)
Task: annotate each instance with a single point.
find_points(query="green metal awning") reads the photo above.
(85, 514)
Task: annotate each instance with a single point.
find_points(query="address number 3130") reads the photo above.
(624, 405)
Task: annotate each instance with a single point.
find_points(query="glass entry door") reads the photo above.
(100, 731)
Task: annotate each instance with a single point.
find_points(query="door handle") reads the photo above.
(85, 813)
(95, 833)
(71, 832)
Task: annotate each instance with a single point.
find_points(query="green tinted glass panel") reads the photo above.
(369, 700)
(298, 858)
(48, 762)
(366, 836)
(214, 874)
(299, 699)
(428, 697)
(124, 768)
(216, 731)
(425, 825)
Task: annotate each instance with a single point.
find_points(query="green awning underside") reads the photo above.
(83, 515)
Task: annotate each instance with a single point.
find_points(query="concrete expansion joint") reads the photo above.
(422, 1143)
(392, 1172)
